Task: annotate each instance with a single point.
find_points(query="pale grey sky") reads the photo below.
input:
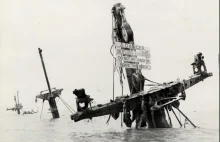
(75, 36)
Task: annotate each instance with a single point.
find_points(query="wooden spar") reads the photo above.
(51, 99)
(132, 101)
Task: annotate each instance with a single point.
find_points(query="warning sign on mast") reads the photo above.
(132, 56)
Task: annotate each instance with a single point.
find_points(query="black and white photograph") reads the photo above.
(109, 70)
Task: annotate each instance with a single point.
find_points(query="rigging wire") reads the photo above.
(68, 106)
(113, 82)
(115, 68)
(112, 46)
(121, 81)
(180, 116)
(113, 79)
(151, 81)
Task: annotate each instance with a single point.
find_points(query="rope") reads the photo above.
(67, 104)
(152, 81)
(113, 79)
(114, 64)
(122, 89)
(69, 108)
(112, 46)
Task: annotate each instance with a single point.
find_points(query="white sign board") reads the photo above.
(132, 56)
(131, 46)
(131, 65)
(127, 52)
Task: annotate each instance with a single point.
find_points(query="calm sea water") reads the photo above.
(19, 128)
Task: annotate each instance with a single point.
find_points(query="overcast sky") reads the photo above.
(75, 36)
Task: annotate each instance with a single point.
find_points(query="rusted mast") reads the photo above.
(122, 32)
(51, 99)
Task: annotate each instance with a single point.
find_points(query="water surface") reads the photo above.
(19, 128)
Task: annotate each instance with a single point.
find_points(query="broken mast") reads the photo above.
(51, 95)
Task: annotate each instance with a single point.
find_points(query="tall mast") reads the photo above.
(15, 100)
(17, 97)
(45, 72)
(50, 97)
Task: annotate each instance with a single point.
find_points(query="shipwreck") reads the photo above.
(18, 106)
(50, 94)
(145, 107)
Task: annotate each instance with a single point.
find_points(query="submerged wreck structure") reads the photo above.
(146, 107)
(18, 106)
(49, 94)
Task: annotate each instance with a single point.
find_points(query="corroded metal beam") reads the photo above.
(170, 89)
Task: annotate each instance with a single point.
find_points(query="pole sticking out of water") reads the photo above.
(18, 97)
(51, 99)
(18, 106)
(45, 72)
(166, 108)
(42, 109)
(176, 116)
(185, 117)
